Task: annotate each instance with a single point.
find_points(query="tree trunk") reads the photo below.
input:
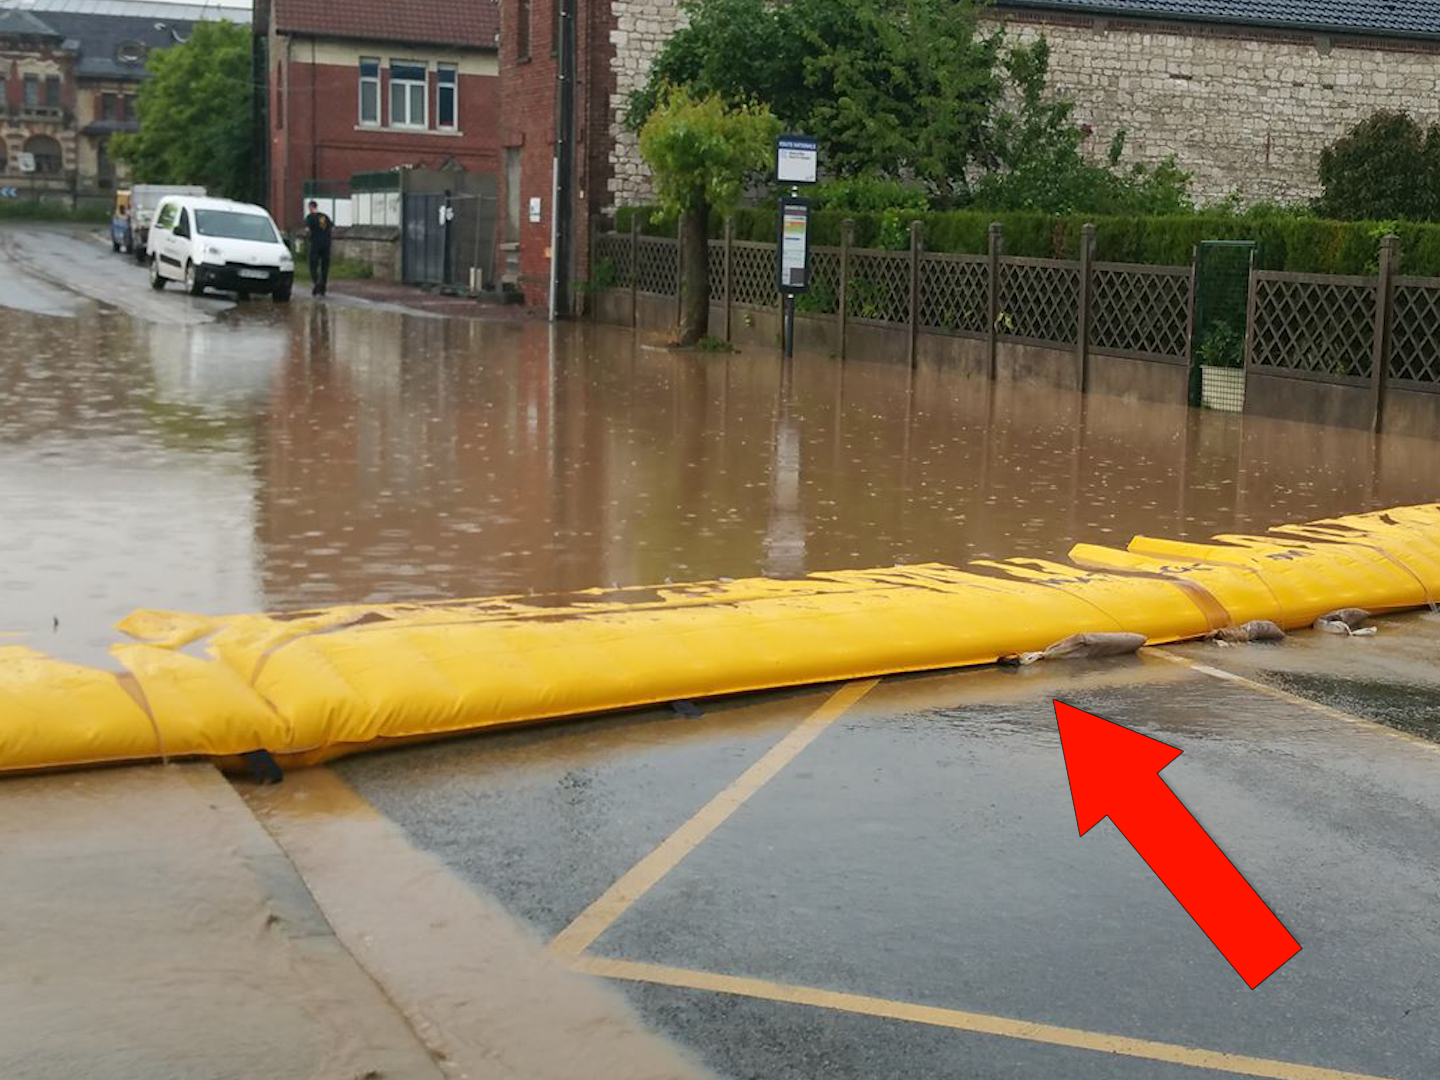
(694, 322)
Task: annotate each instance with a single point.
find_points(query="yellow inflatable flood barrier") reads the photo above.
(314, 685)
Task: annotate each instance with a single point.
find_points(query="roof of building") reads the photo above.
(15, 23)
(1390, 18)
(236, 11)
(471, 24)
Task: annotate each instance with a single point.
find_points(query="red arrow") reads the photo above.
(1115, 773)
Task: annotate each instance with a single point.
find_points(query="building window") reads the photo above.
(104, 166)
(32, 91)
(107, 107)
(52, 91)
(407, 94)
(447, 102)
(124, 109)
(48, 161)
(512, 195)
(281, 100)
(522, 30)
(369, 90)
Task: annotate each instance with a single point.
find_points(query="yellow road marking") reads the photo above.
(977, 1023)
(1296, 699)
(643, 876)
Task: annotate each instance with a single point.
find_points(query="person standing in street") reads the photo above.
(318, 227)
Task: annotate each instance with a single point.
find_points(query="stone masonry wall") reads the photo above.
(641, 27)
(1242, 110)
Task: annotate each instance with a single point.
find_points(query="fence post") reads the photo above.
(847, 237)
(680, 269)
(1384, 325)
(729, 274)
(916, 243)
(589, 296)
(634, 268)
(997, 244)
(1251, 306)
(1082, 320)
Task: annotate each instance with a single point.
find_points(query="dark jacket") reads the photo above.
(319, 227)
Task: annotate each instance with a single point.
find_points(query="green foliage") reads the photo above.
(902, 88)
(42, 210)
(1039, 163)
(742, 50)
(703, 151)
(1385, 166)
(1222, 346)
(868, 194)
(894, 87)
(195, 114)
(1285, 241)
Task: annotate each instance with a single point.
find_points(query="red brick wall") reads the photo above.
(529, 103)
(315, 133)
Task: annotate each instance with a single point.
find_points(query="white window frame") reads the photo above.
(379, 98)
(409, 85)
(453, 70)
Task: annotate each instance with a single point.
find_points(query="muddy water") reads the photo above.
(281, 458)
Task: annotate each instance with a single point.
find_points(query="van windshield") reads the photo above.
(235, 226)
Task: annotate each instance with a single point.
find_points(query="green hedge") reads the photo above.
(39, 210)
(1308, 245)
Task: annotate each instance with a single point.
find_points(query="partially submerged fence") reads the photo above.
(1347, 349)
(1323, 347)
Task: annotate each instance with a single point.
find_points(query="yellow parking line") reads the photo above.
(597, 918)
(1296, 699)
(976, 1023)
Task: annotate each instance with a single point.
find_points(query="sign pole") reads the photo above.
(789, 315)
(796, 163)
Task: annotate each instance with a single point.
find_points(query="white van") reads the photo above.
(144, 201)
(221, 244)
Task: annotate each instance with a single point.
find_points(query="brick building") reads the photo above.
(70, 72)
(371, 85)
(540, 41)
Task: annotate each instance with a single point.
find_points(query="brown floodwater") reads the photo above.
(273, 458)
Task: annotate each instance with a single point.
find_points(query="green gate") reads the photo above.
(1217, 349)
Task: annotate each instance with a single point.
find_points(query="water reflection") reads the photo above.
(323, 454)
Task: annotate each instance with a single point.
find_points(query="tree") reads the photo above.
(1385, 167)
(195, 114)
(702, 152)
(902, 88)
(742, 50)
(898, 88)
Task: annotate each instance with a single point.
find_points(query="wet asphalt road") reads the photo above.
(166, 451)
(924, 849)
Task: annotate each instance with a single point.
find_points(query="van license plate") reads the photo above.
(262, 274)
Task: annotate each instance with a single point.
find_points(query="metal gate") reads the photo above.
(1217, 347)
(424, 259)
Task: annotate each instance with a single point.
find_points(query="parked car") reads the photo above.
(144, 201)
(216, 243)
(120, 235)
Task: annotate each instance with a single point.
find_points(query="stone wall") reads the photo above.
(376, 245)
(1242, 110)
(1245, 111)
(641, 27)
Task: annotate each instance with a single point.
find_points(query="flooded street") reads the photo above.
(199, 455)
(876, 880)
